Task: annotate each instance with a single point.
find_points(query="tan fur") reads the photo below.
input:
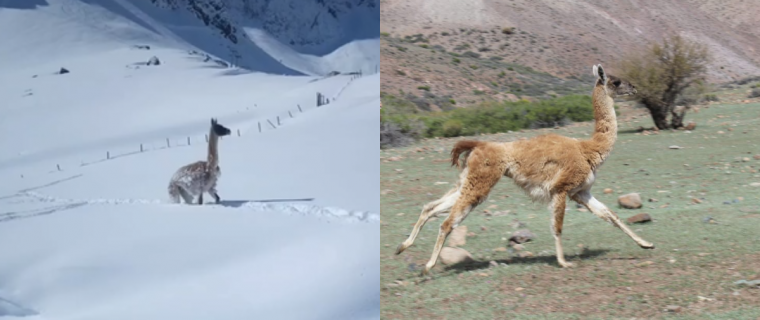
(548, 168)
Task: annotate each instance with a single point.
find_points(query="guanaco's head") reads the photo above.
(219, 129)
(614, 86)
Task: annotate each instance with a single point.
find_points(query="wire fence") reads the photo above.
(260, 125)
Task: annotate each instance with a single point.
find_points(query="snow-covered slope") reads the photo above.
(86, 230)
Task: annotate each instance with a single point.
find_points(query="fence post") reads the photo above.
(290, 113)
(299, 108)
(167, 143)
(238, 130)
(108, 155)
(259, 126)
(58, 166)
(270, 122)
(141, 147)
(278, 120)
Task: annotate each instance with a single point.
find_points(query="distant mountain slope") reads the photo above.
(565, 38)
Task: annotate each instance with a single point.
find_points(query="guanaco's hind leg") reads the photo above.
(429, 210)
(586, 199)
(185, 195)
(558, 216)
(474, 190)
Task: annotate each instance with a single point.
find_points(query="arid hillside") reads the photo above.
(465, 51)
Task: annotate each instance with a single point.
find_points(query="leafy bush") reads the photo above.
(488, 117)
(754, 93)
(710, 97)
(452, 128)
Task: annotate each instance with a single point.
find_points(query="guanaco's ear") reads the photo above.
(213, 121)
(599, 73)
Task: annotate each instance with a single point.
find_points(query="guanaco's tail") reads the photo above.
(462, 146)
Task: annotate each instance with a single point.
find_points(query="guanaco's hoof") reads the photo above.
(400, 249)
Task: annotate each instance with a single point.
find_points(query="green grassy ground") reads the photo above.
(694, 266)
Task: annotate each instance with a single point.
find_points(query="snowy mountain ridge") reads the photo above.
(315, 27)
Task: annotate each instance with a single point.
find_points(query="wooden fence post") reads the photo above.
(299, 108)
(278, 120)
(259, 126)
(238, 130)
(141, 147)
(167, 143)
(108, 155)
(290, 113)
(58, 166)
(270, 122)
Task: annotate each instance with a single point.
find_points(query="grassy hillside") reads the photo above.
(704, 199)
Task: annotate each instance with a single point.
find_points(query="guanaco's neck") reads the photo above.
(213, 151)
(605, 127)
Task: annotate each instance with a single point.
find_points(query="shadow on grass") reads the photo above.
(551, 260)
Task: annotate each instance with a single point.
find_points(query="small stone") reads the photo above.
(519, 289)
(630, 201)
(721, 132)
(607, 191)
(483, 228)
(675, 147)
(756, 157)
(517, 246)
(451, 256)
(640, 218)
(754, 184)
(522, 236)
(493, 264)
(400, 214)
(500, 249)
(644, 264)
(458, 236)
(745, 159)
(440, 183)
(691, 126)
(153, 61)
(674, 309)
(525, 254)
(653, 200)
(695, 200)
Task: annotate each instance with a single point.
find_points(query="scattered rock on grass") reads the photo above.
(451, 256)
(522, 236)
(640, 218)
(674, 309)
(630, 201)
(607, 191)
(458, 236)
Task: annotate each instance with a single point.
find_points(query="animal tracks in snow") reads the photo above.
(287, 206)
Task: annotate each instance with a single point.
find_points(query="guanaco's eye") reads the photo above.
(616, 83)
